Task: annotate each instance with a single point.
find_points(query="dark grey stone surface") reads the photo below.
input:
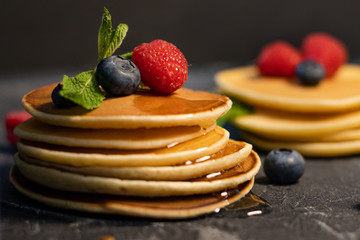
(324, 204)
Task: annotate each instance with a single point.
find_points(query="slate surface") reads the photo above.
(324, 204)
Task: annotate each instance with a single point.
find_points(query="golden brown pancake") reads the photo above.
(171, 207)
(141, 109)
(309, 149)
(72, 182)
(140, 138)
(233, 153)
(179, 153)
(340, 136)
(338, 94)
(290, 126)
(141, 155)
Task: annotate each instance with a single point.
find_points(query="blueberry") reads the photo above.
(284, 166)
(118, 76)
(310, 73)
(59, 100)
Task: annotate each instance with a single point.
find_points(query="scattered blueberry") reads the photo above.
(284, 166)
(310, 73)
(118, 76)
(59, 100)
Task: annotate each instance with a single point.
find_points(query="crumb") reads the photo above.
(107, 238)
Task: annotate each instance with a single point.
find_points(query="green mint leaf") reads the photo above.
(127, 55)
(109, 39)
(238, 109)
(83, 89)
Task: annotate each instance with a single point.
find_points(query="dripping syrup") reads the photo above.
(250, 205)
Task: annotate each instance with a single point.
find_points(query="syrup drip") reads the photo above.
(250, 205)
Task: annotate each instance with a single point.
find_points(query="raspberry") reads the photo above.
(325, 49)
(13, 119)
(278, 59)
(163, 68)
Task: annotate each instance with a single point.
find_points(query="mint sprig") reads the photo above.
(83, 89)
(109, 39)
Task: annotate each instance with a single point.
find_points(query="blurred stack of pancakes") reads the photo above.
(140, 155)
(321, 121)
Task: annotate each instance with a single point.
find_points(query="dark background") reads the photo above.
(40, 34)
(42, 40)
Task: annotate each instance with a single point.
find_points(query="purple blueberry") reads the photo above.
(118, 76)
(284, 166)
(310, 73)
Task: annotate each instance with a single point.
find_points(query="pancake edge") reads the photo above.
(124, 210)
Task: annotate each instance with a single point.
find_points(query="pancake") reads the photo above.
(172, 208)
(338, 94)
(233, 153)
(195, 148)
(141, 109)
(140, 138)
(72, 182)
(290, 126)
(344, 135)
(308, 149)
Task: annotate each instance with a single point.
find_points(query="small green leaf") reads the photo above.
(104, 34)
(238, 109)
(109, 39)
(83, 89)
(127, 55)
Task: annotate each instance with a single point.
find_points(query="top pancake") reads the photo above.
(339, 93)
(141, 109)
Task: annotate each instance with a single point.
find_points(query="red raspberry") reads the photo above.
(162, 66)
(278, 59)
(13, 119)
(326, 50)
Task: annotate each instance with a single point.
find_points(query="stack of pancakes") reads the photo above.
(140, 155)
(321, 121)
